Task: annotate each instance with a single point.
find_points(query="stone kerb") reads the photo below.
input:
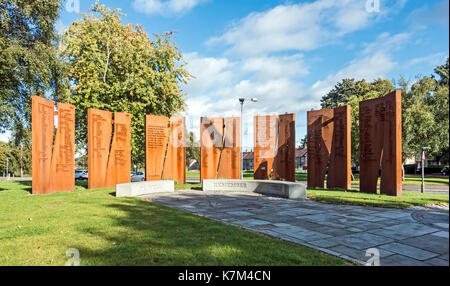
(144, 188)
(293, 191)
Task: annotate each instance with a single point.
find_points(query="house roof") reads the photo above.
(300, 152)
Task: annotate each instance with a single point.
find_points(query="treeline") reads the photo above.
(425, 110)
(97, 62)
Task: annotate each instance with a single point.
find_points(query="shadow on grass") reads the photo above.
(25, 186)
(149, 234)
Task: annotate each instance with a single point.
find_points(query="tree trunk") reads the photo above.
(403, 172)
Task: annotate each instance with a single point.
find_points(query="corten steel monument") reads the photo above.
(380, 141)
(274, 154)
(329, 139)
(165, 148)
(52, 171)
(220, 150)
(109, 163)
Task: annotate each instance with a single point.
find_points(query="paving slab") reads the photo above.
(429, 242)
(410, 251)
(411, 237)
(437, 262)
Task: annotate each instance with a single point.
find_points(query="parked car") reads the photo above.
(444, 172)
(138, 177)
(81, 174)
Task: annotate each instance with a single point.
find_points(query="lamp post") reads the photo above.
(242, 100)
(422, 189)
(7, 166)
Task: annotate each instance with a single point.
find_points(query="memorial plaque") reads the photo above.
(52, 167)
(329, 146)
(230, 159)
(274, 154)
(220, 148)
(156, 134)
(211, 133)
(265, 147)
(380, 140)
(63, 159)
(118, 170)
(99, 142)
(42, 142)
(165, 150)
(175, 161)
(284, 161)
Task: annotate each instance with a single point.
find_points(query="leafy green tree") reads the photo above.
(119, 68)
(426, 115)
(29, 64)
(192, 149)
(351, 92)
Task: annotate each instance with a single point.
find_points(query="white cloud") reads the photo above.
(297, 27)
(432, 60)
(165, 7)
(375, 61)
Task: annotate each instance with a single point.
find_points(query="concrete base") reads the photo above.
(294, 191)
(144, 188)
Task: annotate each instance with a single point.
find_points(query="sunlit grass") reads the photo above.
(39, 229)
(355, 197)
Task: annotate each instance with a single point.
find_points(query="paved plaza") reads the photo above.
(404, 237)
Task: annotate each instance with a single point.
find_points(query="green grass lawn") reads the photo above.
(38, 230)
(354, 197)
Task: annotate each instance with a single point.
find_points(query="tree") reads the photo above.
(351, 92)
(192, 149)
(29, 64)
(119, 68)
(426, 115)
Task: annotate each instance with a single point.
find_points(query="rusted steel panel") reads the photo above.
(175, 161)
(211, 133)
(118, 170)
(53, 167)
(329, 146)
(284, 161)
(380, 144)
(230, 158)
(42, 141)
(157, 134)
(99, 142)
(274, 155)
(339, 169)
(63, 159)
(265, 147)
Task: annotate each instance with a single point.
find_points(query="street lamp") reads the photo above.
(242, 100)
(422, 189)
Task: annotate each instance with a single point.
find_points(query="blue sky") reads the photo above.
(288, 54)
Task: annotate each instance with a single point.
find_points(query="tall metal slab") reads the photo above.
(220, 148)
(329, 147)
(156, 134)
(63, 158)
(265, 146)
(274, 154)
(165, 148)
(99, 142)
(230, 158)
(118, 170)
(175, 160)
(52, 164)
(380, 144)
